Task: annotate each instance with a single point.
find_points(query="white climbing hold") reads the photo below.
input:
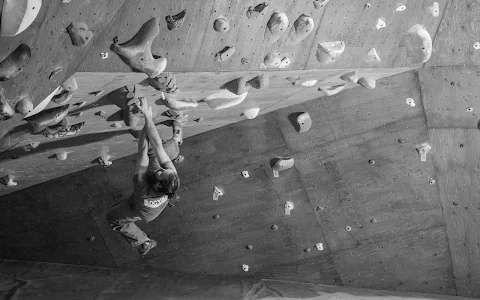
(401, 7)
(285, 62)
(62, 154)
(272, 60)
(301, 28)
(70, 84)
(304, 122)
(217, 192)
(309, 83)
(7, 180)
(34, 145)
(224, 99)
(24, 106)
(173, 102)
(423, 149)
(18, 15)
(245, 268)
(104, 55)
(350, 77)
(251, 113)
(289, 207)
(276, 26)
(319, 246)
(434, 9)
(432, 181)
(418, 44)
(381, 23)
(221, 24)
(104, 158)
(245, 174)
(372, 56)
(332, 90)
(410, 102)
(329, 52)
(348, 228)
(469, 109)
(476, 45)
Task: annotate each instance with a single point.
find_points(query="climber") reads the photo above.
(155, 182)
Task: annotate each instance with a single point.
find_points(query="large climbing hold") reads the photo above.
(259, 82)
(15, 62)
(176, 21)
(6, 110)
(276, 26)
(237, 86)
(224, 54)
(24, 106)
(18, 15)
(48, 117)
(224, 99)
(332, 90)
(304, 122)
(166, 82)
(434, 9)
(79, 33)
(301, 28)
(221, 24)
(350, 77)
(62, 97)
(253, 12)
(367, 82)
(272, 60)
(418, 44)
(282, 164)
(137, 51)
(372, 56)
(70, 84)
(251, 113)
(329, 52)
(173, 102)
(7, 180)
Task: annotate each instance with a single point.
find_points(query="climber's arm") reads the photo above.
(141, 164)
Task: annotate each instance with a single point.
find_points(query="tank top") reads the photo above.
(148, 206)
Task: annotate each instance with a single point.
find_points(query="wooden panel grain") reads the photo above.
(415, 262)
(456, 155)
(450, 96)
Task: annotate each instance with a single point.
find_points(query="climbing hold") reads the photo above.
(289, 207)
(91, 239)
(104, 158)
(423, 149)
(282, 164)
(101, 114)
(165, 82)
(18, 15)
(224, 54)
(320, 3)
(249, 247)
(6, 110)
(176, 21)
(320, 208)
(381, 23)
(97, 93)
(245, 268)
(319, 246)
(24, 106)
(304, 122)
(371, 161)
(418, 44)
(309, 83)
(174, 103)
(179, 159)
(62, 155)
(15, 61)
(272, 60)
(116, 125)
(400, 141)
(80, 104)
(373, 221)
(65, 130)
(244, 61)
(301, 28)
(253, 12)
(217, 192)
(77, 115)
(410, 102)
(350, 77)
(470, 109)
(276, 26)
(348, 228)
(367, 82)
(274, 227)
(329, 52)
(48, 117)
(367, 5)
(7, 180)
(401, 7)
(434, 9)
(251, 113)
(216, 216)
(332, 90)
(104, 55)
(307, 250)
(66, 1)
(432, 181)
(258, 82)
(79, 33)
(284, 63)
(199, 119)
(221, 24)
(224, 99)
(372, 56)
(62, 97)
(476, 45)
(137, 51)
(245, 174)
(70, 84)
(56, 71)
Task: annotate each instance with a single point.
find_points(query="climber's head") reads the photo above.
(164, 182)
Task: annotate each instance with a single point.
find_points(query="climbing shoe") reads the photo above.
(147, 246)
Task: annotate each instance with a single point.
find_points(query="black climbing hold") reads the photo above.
(176, 21)
(15, 62)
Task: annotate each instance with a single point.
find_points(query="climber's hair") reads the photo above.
(166, 186)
